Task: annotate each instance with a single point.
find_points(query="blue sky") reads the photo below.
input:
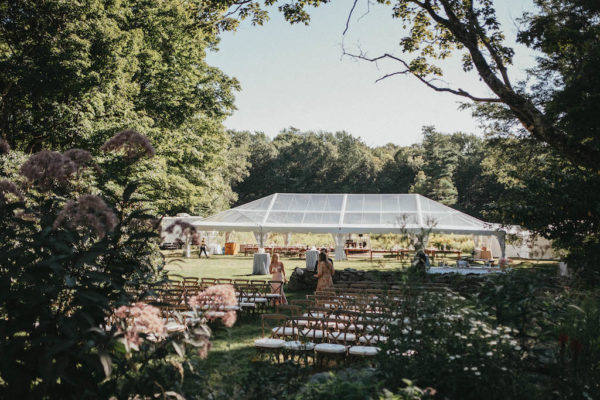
(295, 75)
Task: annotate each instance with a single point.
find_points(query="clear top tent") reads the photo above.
(341, 214)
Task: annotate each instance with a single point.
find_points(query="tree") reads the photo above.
(439, 28)
(74, 73)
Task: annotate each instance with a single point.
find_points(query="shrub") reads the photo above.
(77, 248)
(441, 341)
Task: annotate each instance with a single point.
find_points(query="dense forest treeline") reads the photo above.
(448, 168)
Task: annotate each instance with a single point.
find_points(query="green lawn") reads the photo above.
(240, 266)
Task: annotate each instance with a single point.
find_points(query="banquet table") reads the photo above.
(311, 259)
(261, 264)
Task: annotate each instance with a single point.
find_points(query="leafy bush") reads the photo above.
(75, 245)
(442, 342)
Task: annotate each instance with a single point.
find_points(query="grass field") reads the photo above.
(239, 266)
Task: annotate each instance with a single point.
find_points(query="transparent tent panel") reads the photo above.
(362, 211)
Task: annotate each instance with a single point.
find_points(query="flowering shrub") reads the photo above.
(441, 341)
(220, 298)
(74, 236)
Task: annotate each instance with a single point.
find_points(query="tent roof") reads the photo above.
(344, 213)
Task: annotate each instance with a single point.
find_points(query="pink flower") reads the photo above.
(140, 318)
(203, 350)
(79, 157)
(217, 297)
(133, 144)
(46, 168)
(4, 146)
(89, 211)
(9, 190)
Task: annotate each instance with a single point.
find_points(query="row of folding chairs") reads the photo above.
(323, 335)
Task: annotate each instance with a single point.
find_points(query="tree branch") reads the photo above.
(349, 16)
(428, 83)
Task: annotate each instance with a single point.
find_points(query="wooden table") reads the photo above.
(435, 252)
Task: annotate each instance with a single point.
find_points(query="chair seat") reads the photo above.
(174, 327)
(316, 315)
(330, 348)
(260, 300)
(248, 305)
(363, 350)
(342, 336)
(311, 333)
(382, 329)
(284, 331)
(355, 327)
(215, 314)
(268, 343)
(296, 345)
(373, 339)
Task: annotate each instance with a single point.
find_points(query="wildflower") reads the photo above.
(219, 297)
(90, 211)
(139, 318)
(46, 168)
(478, 373)
(4, 146)
(79, 157)
(489, 354)
(203, 350)
(133, 144)
(10, 189)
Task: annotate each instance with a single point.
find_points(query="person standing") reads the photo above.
(277, 270)
(202, 248)
(325, 273)
(323, 251)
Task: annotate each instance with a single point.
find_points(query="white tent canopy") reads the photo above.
(340, 214)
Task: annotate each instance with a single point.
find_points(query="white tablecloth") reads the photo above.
(463, 271)
(214, 249)
(261, 264)
(311, 259)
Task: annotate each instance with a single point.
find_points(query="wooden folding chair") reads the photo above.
(270, 344)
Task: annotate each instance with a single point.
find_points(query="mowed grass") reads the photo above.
(240, 266)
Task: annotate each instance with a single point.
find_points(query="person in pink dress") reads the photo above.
(325, 273)
(278, 271)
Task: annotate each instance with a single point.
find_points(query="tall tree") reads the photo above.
(470, 29)
(74, 73)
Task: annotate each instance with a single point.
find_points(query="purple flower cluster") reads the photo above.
(133, 144)
(4, 146)
(46, 168)
(89, 211)
(79, 157)
(8, 190)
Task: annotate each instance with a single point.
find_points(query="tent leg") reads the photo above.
(340, 241)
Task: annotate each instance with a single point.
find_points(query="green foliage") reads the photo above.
(569, 213)
(70, 254)
(443, 342)
(445, 168)
(74, 73)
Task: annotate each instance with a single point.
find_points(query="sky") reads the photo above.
(295, 76)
